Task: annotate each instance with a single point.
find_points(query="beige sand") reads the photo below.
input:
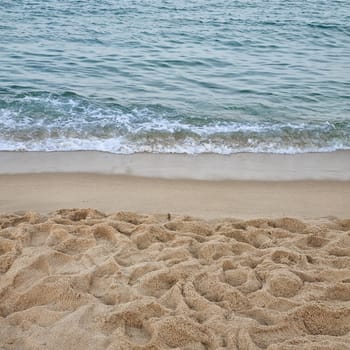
(333, 166)
(240, 185)
(80, 279)
(207, 199)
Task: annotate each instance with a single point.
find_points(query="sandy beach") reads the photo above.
(207, 186)
(205, 199)
(174, 175)
(255, 259)
(80, 279)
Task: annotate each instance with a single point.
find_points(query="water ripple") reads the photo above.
(256, 75)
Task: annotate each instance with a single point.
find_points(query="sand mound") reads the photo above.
(80, 279)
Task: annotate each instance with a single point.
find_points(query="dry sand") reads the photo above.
(80, 279)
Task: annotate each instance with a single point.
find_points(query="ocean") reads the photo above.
(175, 76)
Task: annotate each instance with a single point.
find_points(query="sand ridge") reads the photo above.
(82, 279)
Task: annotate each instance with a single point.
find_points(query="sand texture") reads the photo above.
(81, 279)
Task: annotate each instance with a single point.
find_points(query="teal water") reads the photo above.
(175, 76)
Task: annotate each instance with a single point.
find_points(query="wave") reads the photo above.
(66, 122)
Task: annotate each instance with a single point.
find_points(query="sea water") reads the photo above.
(175, 76)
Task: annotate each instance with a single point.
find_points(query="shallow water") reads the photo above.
(172, 76)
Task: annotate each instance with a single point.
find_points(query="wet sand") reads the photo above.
(242, 166)
(209, 186)
(206, 199)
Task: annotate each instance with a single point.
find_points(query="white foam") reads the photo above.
(72, 123)
(189, 146)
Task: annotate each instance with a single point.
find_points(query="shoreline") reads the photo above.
(240, 166)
